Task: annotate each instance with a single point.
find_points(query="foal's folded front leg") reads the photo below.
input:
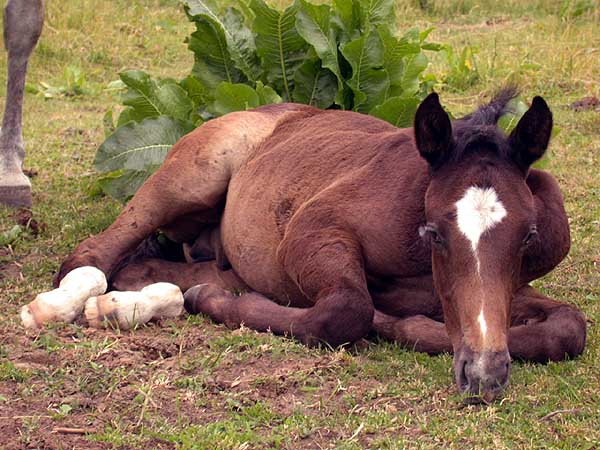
(544, 329)
(328, 271)
(419, 333)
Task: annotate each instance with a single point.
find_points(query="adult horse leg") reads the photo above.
(23, 21)
(192, 180)
(328, 270)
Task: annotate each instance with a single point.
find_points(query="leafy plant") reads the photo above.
(461, 66)
(73, 84)
(346, 55)
(8, 237)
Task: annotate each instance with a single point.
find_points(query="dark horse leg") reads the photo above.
(327, 268)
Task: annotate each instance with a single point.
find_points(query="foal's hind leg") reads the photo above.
(136, 275)
(193, 179)
(327, 268)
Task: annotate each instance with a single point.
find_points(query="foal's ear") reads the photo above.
(529, 140)
(433, 130)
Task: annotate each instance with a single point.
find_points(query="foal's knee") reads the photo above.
(568, 334)
(342, 315)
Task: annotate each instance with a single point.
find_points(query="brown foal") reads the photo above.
(336, 223)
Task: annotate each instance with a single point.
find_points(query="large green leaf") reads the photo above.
(396, 52)
(123, 184)
(346, 19)
(212, 61)
(415, 65)
(240, 42)
(399, 111)
(266, 94)
(281, 48)
(231, 97)
(199, 95)
(138, 146)
(340, 53)
(314, 85)
(196, 91)
(314, 25)
(147, 98)
(377, 12)
(370, 81)
(232, 33)
(516, 109)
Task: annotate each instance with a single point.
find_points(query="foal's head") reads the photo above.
(480, 220)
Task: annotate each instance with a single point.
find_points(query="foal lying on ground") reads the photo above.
(337, 223)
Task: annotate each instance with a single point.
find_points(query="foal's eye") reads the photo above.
(530, 237)
(432, 233)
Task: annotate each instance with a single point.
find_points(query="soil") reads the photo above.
(24, 217)
(107, 388)
(585, 104)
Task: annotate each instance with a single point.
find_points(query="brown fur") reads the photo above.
(320, 219)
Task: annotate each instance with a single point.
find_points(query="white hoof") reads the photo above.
(66, 302)
(125, 310)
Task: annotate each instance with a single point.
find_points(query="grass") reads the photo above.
(193, 384)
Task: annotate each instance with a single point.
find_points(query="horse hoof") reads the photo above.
(128, 309)
(15, 188)
(66, 302)
(203, 297)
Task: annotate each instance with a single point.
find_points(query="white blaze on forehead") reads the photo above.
(482, 323)
(477, 212)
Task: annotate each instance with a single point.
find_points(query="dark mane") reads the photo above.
(490, 113)
(479, 129)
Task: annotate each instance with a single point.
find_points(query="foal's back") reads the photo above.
(328, 169)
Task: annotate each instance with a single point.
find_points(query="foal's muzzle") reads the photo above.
(482, 376)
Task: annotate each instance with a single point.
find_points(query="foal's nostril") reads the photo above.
(463, 380)
(482, 373)
(503, 378)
